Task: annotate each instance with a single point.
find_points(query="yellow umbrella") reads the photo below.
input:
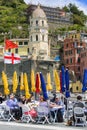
(5, 82)
(21, 82)
(15, 82)
(27, 94)
(33, 88)
(48, 86)
(57, 80)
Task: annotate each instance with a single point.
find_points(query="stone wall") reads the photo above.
(25, 66)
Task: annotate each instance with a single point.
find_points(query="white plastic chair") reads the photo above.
(42, 115)
(5, 113)
(2, 111)
(79, 116)
(26, 117)
(9, 115)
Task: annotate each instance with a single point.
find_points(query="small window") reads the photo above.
(42, 23)
(31, 38)
(36, 37)
(79, 60)
(71, 52)
(42, 37)
(71, 60)
(25, 43)
(16, 50)
(79, 78)
(20, 43)
(77, 88)
(28, 50)
(36, 23)
(66, 45)
(78, 51)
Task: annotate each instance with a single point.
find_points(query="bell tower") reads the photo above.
(38, 37)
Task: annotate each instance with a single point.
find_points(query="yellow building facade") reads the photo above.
(74, 35)
(76, 87)
(23, 47)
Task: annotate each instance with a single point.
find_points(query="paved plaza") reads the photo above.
(24, 126)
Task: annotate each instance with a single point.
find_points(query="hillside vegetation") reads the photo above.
(14, 19)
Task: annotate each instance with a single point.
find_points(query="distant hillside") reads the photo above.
(13, 18)
(78, 15)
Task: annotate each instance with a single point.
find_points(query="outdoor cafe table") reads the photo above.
(55, 110)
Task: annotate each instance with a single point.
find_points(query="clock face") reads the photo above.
(43, 30)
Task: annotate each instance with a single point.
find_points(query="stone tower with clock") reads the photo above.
(38, 35)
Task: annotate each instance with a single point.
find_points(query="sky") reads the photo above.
(81, 4)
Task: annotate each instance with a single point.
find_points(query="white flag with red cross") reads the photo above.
(11, 58)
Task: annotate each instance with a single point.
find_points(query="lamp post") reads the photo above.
(5, 34)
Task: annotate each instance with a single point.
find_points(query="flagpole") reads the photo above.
(4, 52)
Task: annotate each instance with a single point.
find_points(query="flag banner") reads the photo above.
(11, 58)
(10, 45)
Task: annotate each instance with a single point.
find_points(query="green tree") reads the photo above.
(77, 15)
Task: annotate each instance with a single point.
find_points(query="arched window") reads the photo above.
(77, 88)
(36, 22)
(42, 23)
(42, 37)
(36, 37)
(31, 38)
